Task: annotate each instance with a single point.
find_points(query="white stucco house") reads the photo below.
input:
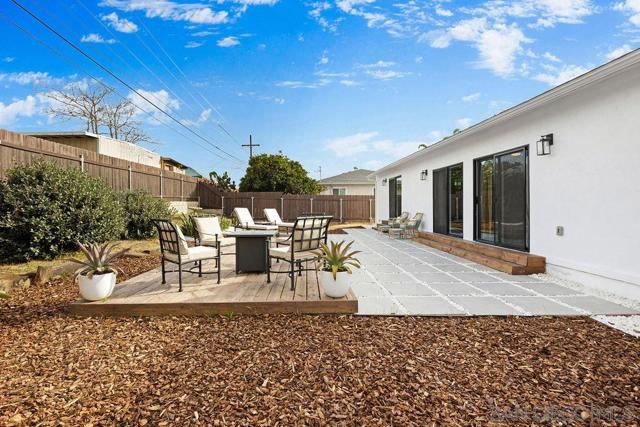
(557, 175)
(357, 182)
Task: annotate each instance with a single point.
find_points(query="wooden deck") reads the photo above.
(145, 295)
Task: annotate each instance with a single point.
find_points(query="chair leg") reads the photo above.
(164, 282)
(180, 277)
(200, 268)
(268, 268)
(292, 274)
(299, 268)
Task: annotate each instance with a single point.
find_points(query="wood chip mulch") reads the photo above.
(307, 370)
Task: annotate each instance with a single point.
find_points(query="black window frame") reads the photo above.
(447, 170)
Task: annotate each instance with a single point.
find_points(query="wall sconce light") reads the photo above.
(544, 145)
(384, 182)
(423, 175)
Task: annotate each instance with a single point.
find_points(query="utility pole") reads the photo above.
(320, 172)
(250, 145)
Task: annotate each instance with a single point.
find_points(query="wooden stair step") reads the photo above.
(495, 263)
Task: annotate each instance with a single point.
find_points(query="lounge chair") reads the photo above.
(410, 228)
(209, 233)
(245, 220)
(392, 223)
(307, 236)
(175, 250)
(273, 217)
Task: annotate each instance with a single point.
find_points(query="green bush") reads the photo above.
(45, 210)
(140, 209)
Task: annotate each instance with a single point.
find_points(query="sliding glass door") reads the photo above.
(395, 197)
(447, 200)
(502, 199)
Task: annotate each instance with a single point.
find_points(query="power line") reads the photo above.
(115, 76)
(65, 57)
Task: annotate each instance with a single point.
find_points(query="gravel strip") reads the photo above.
(308, 370)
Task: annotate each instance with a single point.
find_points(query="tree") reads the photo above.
(223, 182)
(276, 172)
(93, 106)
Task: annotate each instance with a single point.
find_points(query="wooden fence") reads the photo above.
(16, 149)
(290, 206)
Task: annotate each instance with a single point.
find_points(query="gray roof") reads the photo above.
(356, 176)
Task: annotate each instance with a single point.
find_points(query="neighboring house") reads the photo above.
(103, 145)
(357, 182)
(169, 164)
(578, 205)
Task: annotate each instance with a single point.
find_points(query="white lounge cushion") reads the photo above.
(196, 253)
(244, 217)
(273, 217)
(263, 227)
(224, 242)
(284, 252)
(182, 242)
(208, 227)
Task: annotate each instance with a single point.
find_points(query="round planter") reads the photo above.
(335, 288)
(99, 287)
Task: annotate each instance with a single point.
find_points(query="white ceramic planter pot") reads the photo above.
(335, 288)
(99, 287)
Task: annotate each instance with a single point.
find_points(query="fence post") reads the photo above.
(370, 200)
(282, 206)
(130, 179)
(222, 204)
(161, 189)
(181, 189)
(341, 210)
(251, 205)
(81, 162)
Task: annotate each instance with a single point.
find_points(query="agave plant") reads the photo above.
(99, 260)
(335, 258)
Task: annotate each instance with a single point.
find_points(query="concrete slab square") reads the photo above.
(382, 268)
(455, 289)
(503, 289)
(435, 278)
(429, 306)
(455, 268)
(539, 306)
(409, 289)
(420, 268)
(363, 289)
(549, 289)
(385, 278)
(596, 305)
(378, 306)
(485, 306)
(474, 277)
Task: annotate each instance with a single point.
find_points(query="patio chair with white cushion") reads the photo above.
(245, 220)
(307, 236)
(209, 233)
(392, 223)
(273, 217)
(175, 250)
(411, 227)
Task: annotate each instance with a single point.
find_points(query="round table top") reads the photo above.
(249, 233)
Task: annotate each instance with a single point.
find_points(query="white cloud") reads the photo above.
(228, 41)
(379, 64)
(120, 24)
(498, 48)
(193, 44)
(618, 52)
(442, 11)
(195, 13)
(35, 78)
(418, 59)
(463, 123)
(562, 75)
(203, 33)
(472, 97)
(8, 59)
(324, 59)
(297, 84)
(96, 38)
(202, 118)
(632, 8)
(160, 98)
(550, 57)
(387, 74)
(351, 145)
(366, 142)
(349, 83)
(18, 108)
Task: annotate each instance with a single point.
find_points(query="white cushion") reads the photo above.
(283, 252)
(208, 227)
(272, 216)
(263, 227)
(193, 254)
(244, 217)
(183, 246)
(224, 242)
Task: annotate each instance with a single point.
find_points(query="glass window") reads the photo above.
(339, 191)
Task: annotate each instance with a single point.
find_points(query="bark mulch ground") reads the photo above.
(307, 370)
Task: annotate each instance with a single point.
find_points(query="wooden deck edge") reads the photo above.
(349, 306)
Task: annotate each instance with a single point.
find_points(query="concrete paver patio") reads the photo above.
(401, 277)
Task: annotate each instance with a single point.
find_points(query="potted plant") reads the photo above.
(335, 265)
(97, 276)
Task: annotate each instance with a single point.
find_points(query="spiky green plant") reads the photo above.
(4, 295)
(100, 259)
(336, 258)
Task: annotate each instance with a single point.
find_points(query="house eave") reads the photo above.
(596, 75)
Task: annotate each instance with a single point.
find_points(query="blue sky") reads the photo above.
(333, 84)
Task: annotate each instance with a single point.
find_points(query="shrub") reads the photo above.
(140, 209)
(46, 209)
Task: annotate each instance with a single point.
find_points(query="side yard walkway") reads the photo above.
(401, 277)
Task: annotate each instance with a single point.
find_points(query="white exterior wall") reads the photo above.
(126, 151)
(352, 189)
(590, 184)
